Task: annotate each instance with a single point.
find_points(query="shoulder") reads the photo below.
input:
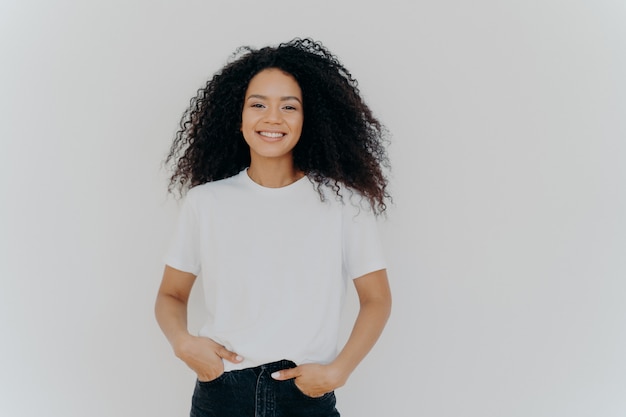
(210, 189)
(351, 202)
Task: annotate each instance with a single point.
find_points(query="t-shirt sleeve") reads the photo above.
(362, 248)
(184, 252)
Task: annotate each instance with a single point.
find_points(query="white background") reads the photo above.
(506, 242)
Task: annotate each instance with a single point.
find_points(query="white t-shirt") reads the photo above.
(274, 264)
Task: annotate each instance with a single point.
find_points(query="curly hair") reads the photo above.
(341, 145)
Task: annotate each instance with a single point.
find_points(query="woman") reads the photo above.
(284, 166)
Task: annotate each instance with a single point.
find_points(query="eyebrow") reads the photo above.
(284, 98)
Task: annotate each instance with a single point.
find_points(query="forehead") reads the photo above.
(273, 81)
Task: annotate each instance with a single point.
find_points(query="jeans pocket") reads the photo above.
(212, 381)
(292, 382)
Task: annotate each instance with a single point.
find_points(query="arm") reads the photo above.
(201, 354)
(375, 306)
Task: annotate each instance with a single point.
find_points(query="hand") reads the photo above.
(204, 356)
(313, 379)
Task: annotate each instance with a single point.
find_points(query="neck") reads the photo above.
(274, 175)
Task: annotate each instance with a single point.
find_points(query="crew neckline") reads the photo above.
(247, 179)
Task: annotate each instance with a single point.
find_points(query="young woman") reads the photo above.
(283, 163)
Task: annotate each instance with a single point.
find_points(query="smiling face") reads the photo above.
(272, 116)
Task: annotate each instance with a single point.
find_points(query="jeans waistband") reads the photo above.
(276, 366)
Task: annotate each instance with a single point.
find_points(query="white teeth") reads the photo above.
(272, 134)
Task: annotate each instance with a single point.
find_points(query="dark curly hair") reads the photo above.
(342, 143)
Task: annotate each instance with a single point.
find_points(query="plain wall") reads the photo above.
(506, 240)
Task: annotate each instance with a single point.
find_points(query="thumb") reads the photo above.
(228, 355)
(285, 374)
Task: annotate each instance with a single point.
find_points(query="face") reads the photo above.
(272, 116)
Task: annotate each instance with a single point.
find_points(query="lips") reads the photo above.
(272, 135)
(269, 136)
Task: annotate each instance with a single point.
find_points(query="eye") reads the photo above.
(290, 108)
(257, 105)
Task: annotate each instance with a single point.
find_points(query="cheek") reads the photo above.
(247, 117)
(247, 125)
(245, 137)
(297, 122)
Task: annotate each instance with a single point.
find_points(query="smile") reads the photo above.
(272, 134)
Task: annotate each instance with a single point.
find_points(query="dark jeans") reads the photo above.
(253, 392)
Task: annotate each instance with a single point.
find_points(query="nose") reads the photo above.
(273, 115)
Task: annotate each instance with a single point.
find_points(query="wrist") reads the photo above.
(180, 343)
(338, 374)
